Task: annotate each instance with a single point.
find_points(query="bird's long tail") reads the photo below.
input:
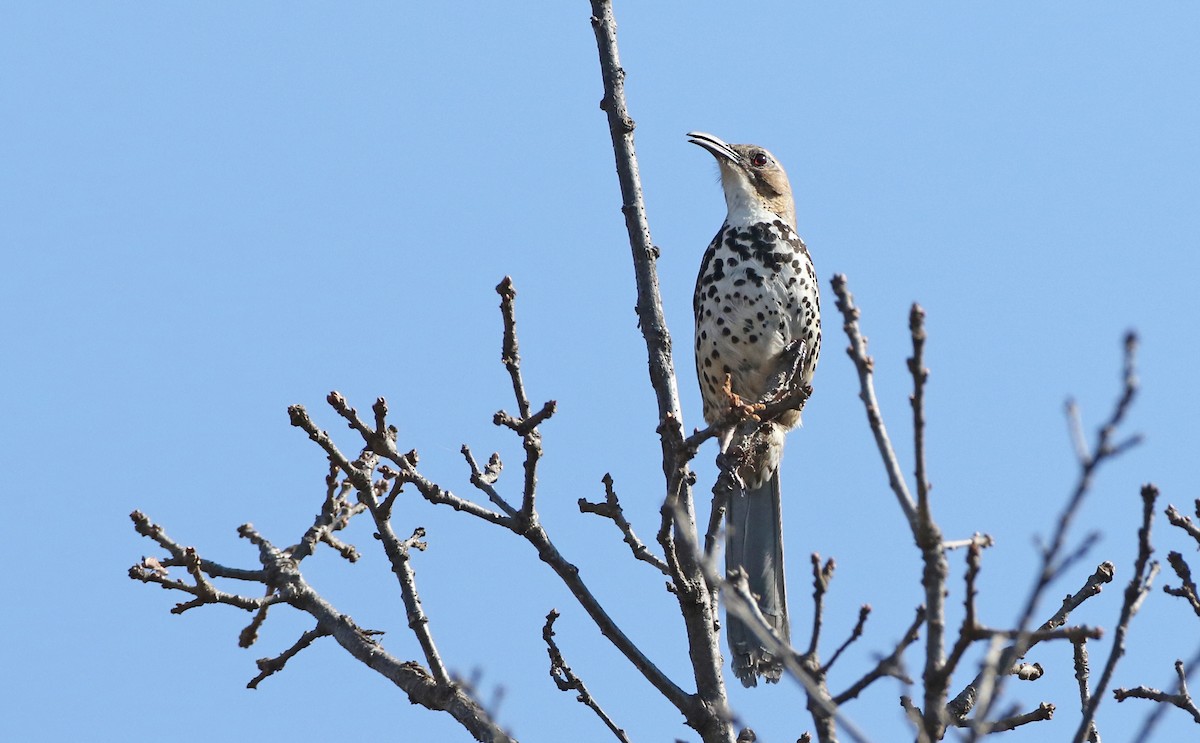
(754, 544)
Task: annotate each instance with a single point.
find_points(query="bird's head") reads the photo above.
(754, 182)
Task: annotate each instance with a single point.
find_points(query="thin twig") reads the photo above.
(891, 665)
(959, 707)
(509, 353)
(929, 539)
(1187, 589)
(865, 366)
(611, 509)
(280, 574)
(1082, 676)
(1181, 699)
(269, 666)
(821, 577)
(1144, 571)
(485, 479)
(1105, 449)
(1185, 522)
(1045, 711)
(864, 611)
(566, 680)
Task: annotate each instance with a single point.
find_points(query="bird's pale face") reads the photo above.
(753, 180)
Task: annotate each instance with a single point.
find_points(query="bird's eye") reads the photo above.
(758, 160)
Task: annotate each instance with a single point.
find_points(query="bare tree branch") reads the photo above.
(1045, 711)
(710, 714)
(485, 479)
(566, 680)
(864, 611)
(1051, 561)
(1082, 675)
(269, 666)
(611, 509)
(866, 366)
(959, 707)
(892, 665)
(280, 573)
(1181, 699)
(1187, 589)
(1144, 571)
(1185, 522)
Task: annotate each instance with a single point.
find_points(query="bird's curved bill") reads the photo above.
(715, 145)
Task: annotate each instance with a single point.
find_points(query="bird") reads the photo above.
(756, 301)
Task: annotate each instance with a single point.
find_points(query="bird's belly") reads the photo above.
(744, 338)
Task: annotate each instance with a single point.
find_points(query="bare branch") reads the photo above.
(1185, 522)
(710, 714)
(959, 707)
(1045, 711)
(920, 374)
(821, 577)
(1082, 675)
(249, 634)
(1181, 699)
(406, 462)
(982, 540)
(864, 611)
(1051, 561)
(269, 666)
(970, 624)
(281, 573)
(335, 515)
(485, 479)
(1144, 572)
(1187, 590)
(804, 668)
(891, 665)
(566, 680)
(611, 509)
(865, 366)
(151, 570)
(509, 354)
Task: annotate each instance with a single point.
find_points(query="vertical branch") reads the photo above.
(527, 426)
(711, 718)
(1144, 572)
(509, 353)
(1082, 673)
(916, 365)
(929, 539)
(649, 302)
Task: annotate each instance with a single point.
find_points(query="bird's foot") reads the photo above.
(785, 379)
(739, 409)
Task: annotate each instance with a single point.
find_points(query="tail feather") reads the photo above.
(754, 544)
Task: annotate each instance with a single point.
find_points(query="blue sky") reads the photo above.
(212, 211)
